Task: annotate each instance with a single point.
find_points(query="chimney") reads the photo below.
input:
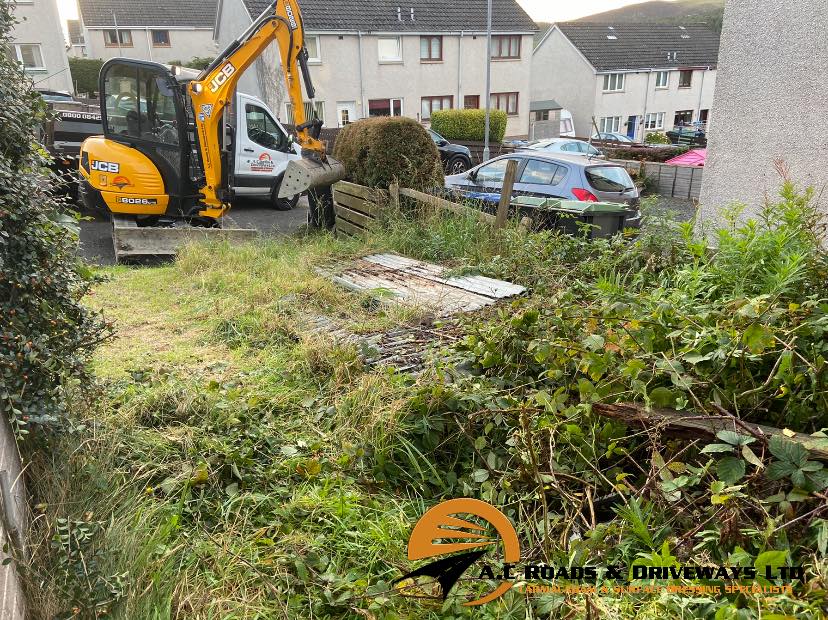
(399, 14)
(412, 14)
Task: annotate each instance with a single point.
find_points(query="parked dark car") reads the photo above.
(553, 175)
(456, 158)
(688, 136)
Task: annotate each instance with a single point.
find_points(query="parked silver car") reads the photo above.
(553, 175)
(565, 145)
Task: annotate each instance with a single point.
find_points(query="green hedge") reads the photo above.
(376, 151)
(47, 333)
(85, 72)
(469, 125)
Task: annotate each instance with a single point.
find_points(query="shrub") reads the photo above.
(641, 153)
(656, 137)
(46, 334)
(85, 73)
(376, 151)
(469, 125)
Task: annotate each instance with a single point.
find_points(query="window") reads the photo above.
(508, 102)
(389, 49)
(539, 172)
(506, 47)
(28, 54)
(140, 103)
(685, 79)
(662, 79)
(434, 104)
(493, 172)
(315, 109)
(160, 38)
(683, 117)
(609, 179)
(431, 48)
(613, 82)
(471, 102)
(385, 107)
(111, 38)
(313, 47)
(263, 130)
(654, 120)
(580, 147)
(610, 124)
(541, 115)
(704, 116)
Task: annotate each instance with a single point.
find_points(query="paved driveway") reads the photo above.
(96, 238)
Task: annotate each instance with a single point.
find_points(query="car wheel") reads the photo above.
(458, 165)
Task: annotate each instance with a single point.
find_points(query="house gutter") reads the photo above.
(149, 44)
(646, 106)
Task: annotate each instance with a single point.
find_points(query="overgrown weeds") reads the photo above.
(240, 465)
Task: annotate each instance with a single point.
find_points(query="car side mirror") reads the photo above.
(442, 143)
(473, 175)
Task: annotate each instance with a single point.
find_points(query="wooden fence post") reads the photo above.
(506, 194)
(394, 193)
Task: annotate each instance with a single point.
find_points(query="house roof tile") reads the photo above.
(142, 13)
(429, 15)
(619, 46)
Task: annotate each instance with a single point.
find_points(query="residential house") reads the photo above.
(382, 57)
(631, 78)
(771, 100)
(156, 30)
(77, 43)
(39, 45)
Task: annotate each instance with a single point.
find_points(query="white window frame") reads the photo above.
(610, 124)
(398, 58)
(654, 121)
(662, 84)
(309, 109)
(311, 58)
(19, 55)
(614, 82)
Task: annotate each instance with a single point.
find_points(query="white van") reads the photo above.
(262, 151)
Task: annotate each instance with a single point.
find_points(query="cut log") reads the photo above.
(685, 424)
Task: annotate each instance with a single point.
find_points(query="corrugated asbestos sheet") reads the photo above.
(398, 279)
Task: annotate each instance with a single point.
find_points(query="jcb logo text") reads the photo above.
(218, 81)
(106, 166)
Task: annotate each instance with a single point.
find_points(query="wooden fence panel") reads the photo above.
(356, 207)
(672, 181)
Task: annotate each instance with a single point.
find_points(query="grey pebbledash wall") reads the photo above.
(12, 524)
(771, 104)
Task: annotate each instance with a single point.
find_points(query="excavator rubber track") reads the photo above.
(134, 242)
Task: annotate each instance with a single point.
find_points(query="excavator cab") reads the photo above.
(146, 162)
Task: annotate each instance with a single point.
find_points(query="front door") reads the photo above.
(346, 112)
(632, 127)
(263, 148)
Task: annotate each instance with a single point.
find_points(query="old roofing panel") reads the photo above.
(429, 15)
(619, 46)
(161, 13)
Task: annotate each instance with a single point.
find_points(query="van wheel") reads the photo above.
(283, 204)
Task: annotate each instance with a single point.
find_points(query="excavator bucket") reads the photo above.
(306, 174)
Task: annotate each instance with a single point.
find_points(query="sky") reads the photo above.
(540, 10)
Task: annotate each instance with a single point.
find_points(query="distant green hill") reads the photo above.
(708, 12)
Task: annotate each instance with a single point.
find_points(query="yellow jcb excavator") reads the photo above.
(166, 159)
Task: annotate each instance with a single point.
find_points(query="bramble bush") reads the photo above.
(469, 125)
(376, 151)
(46, 334)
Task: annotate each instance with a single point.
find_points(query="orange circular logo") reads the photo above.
(440, 532)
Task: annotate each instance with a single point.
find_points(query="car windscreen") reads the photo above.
(609, 178)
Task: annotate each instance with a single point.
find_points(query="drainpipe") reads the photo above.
(701, 93)
(117, 35)
(361, 85)
(149, 43)
(646, 105)
(460, 72)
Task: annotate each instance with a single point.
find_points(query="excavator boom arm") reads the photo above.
(213, 91)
